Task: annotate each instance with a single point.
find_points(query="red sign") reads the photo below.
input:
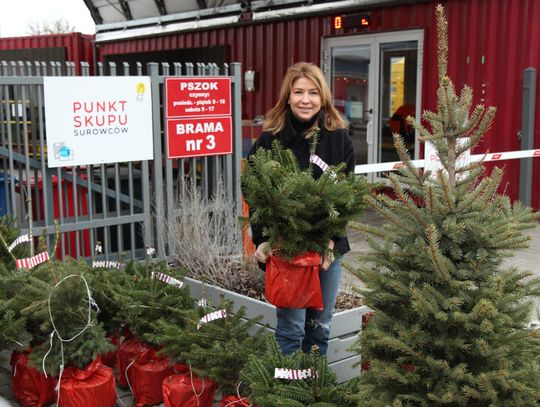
(199, 136)
(198, 96)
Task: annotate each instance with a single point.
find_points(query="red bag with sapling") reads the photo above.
(127, 353)
(93, 386)
(146, 375)
(110, 358)
(30, 386)
(188, 390)
(295, 283)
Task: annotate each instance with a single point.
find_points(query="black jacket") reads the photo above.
(334, 147)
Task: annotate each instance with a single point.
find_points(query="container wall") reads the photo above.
(491, 43)
(74, 47)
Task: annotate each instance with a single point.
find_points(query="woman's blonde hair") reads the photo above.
(274, 120)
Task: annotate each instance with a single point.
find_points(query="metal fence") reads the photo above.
(124, 206)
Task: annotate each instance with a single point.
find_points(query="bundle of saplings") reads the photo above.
(149, 291)
(216, 349)
(58, 297)
(450, 317)
(13, 333)
(298, 213)
(303, 380)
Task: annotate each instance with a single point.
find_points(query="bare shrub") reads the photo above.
(206, 239)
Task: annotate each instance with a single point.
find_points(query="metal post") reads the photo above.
(527, 134)
(157, 187)
(236, 70)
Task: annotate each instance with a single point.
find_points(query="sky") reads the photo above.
(16, 15)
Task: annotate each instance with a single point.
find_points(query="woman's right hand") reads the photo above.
(262, 253)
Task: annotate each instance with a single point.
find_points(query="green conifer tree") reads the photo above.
(13, 333)
(299, 213)
(56, 298)
(449, 325)
(217, 349)
(263, 390)
(142, 300)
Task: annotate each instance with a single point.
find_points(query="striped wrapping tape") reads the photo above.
(106, 264)
(293, 374)
(18, 241)
(166, 279)
(315, 159)
(219, 314)
(31, 262)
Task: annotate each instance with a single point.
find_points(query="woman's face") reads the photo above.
(304, 99)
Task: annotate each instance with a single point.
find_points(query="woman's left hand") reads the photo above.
(328, 257)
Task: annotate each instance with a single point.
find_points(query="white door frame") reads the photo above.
(374, 83)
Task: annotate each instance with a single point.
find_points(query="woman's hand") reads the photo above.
(262, 253)
(328, 257)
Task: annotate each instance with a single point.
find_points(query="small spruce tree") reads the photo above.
(297, 212)
(56, 299)
(263, 390)
(217, 349)
(142, 300)
(13, 333)
(449, 325)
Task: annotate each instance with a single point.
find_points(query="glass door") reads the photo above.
(375, 81)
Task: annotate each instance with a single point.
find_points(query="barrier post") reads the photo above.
(527, 134)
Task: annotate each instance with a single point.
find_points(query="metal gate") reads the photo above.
(122, 206)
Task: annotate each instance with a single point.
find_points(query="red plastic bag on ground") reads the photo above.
(30, 386)
(234, 401)
(146, 375)
(295, 283)
(127, 353)
(185, 390)
(180, 368)
(110, 358)
(93, 386)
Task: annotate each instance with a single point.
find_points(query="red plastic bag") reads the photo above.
(30, 386)
(185, 390)
(110, 358)
(234, 401)
(146, 375)
(93, 386)
(127, 353)
(294, 284)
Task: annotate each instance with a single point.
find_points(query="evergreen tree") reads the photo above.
(216, 349)
(142, 300)
(57, 299)
(299, 213)
(449, 325)
(13, 333)
(263, 390)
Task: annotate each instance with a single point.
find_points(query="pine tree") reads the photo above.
(142, 300)
(319, 390)
(299, 213)
(449, 325)
(57, 301)
(13, 333)
(217, 349)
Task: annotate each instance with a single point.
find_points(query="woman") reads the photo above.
(305, 103)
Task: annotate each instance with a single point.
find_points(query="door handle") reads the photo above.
(369, 132)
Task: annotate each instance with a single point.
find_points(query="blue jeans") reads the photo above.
(301, 328)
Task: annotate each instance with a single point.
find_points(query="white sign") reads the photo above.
(433, 162)
(98, 120)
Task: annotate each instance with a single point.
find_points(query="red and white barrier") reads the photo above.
(394, 165)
